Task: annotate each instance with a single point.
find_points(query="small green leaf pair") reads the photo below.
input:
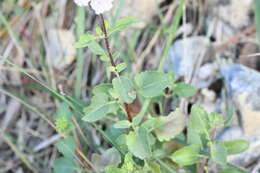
(201, 143)
(66, 163)
(63, 119)
(101, 105)
(219, 151)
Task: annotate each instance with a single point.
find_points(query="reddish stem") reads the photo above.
(106, 41)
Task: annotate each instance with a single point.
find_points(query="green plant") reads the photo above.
(144, 137)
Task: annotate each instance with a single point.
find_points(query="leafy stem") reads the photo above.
(103, 26)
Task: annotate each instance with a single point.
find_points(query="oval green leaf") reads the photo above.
(198, 122)
(184, 90)
(187, 155)
(95, 113)
(236, 146)
(219, 153)
(67, 147)
(124, 87)
(153, 84)
(138, 144)
(64, 165)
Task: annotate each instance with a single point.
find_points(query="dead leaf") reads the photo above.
(171, 126)
(109, 157)
(62, 52)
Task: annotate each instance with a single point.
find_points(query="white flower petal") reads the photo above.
(101, 6)
(82, 2)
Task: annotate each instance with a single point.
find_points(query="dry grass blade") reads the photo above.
(19, 153)
(141, 58)
(29, 105)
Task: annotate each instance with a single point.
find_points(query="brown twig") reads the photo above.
(154, 39)
(106, 41)
(235, 39)
(103, 25)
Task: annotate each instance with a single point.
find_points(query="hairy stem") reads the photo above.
(106, 41)
(103, 25)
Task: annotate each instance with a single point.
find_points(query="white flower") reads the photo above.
(82, 2)
(99, 6)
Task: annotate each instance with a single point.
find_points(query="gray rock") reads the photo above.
(241, 79)
(191, 57)
(244, 85)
